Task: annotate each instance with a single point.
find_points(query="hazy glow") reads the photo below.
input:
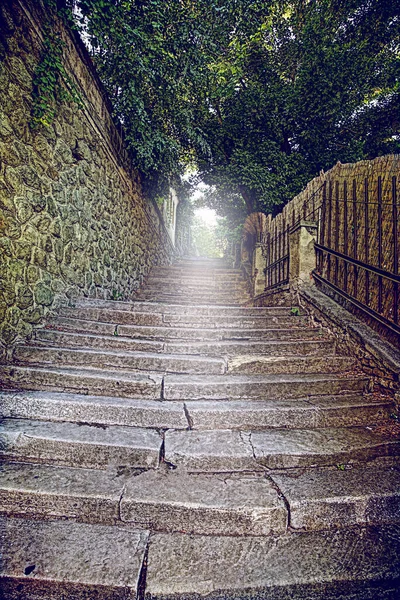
(207, 215)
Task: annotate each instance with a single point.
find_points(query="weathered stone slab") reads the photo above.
(210, 451)
(134, 361)
(112, 315)
(227, 347)
(335, 498)
(55, 560)
(290, 364)
(356, 564)
(101, 410)
(80, 325)
(282, 449)
(333, 411)
(83, 381)
(114, 342)
(193, 333)
(233, 322)
(213, 505)
(179, 309)
(43, 491)
(79, 445)
(181, 387)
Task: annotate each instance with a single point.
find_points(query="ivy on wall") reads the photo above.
(52, 84)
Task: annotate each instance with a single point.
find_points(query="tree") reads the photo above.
(259, 96)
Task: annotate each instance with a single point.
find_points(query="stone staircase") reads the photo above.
(186, 446)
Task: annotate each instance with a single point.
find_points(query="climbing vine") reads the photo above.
(51, 83)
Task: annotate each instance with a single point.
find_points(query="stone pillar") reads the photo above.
(302, 253)
(259, 264)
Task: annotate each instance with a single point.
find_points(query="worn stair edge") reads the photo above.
(54, 560)
(72, 337)
(161, 501)
(82, 381)
(112, 359)
(355, 564)
(341, 497)
(53, 492)
(125, 317)
(169, 309)
(319, 411)
(77, 445)
(213, 451)
(267, 387)
(96, 410)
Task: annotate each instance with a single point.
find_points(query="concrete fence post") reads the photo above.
(302, 261)
(259, 263)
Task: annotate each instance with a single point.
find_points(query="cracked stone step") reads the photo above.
(266, 387)
(289, 448)
(97, 410)
(73, 338)
(312, 412)
(179, 309)
(173, 501)
(254, 346)
(98, 341)
(101, 359)
(336, 498)
(354, 564)
(83, 381)
(210, 451)
(126, 317)
(231, 299)
(227, 450)
(44, 491)
(193, 285)
(188, 333)
(290, 364)
(78, 445)
(56, 559)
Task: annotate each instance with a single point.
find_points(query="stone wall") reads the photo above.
(73, 219)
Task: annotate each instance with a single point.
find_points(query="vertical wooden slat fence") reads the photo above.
(358, 243)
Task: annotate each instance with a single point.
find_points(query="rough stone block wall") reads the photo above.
(73, 219)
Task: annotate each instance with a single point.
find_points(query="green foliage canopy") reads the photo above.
(260, 96)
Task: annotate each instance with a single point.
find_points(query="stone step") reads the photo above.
(188, 333)
(173, 272)
(177, 363)
(132, 361)
(203, 288)
(266, 387)
(290, 364)
(254, 346)
(216, 451)
(170, 501)
(158, 500)
(55, 559)
(349, 564)
(319, 411)
(72, 337)
(341, 497)
(76, 445)
(184, 281)
(308, 413)
(198, 301)
(84, 381)
(52, 492)
(221, 299)
(179, 309)
(93, 410)
(156, 318)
